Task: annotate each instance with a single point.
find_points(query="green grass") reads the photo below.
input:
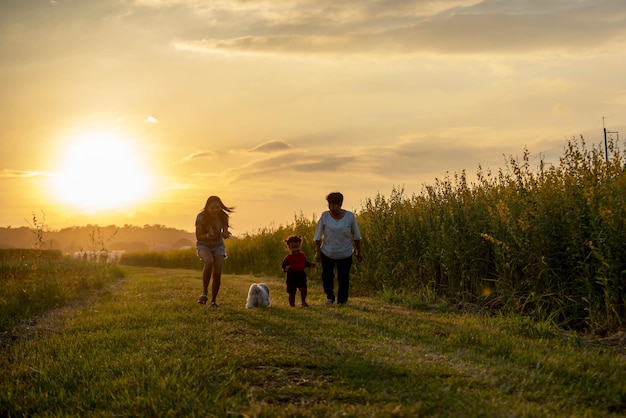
(144, 347)
(34, 281)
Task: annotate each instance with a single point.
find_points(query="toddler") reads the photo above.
(294, 264)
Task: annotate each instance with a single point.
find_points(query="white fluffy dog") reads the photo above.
(258, 296)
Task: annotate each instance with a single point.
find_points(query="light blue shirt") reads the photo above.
(337, 235)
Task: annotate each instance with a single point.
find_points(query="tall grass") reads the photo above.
(549, 242)
(186, 258)
(35, 281)
(258, 253)
(262, 252)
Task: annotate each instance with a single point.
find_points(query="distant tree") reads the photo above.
(183, 242)
(137, 246)
(53, 245)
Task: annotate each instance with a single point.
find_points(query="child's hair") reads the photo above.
(293, 238)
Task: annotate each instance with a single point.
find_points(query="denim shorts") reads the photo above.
(204, 251)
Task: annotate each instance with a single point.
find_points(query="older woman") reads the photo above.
(337, 237)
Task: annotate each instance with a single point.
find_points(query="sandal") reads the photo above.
(214, 305)
(202, 299)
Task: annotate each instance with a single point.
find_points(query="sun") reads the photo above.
(101, 171)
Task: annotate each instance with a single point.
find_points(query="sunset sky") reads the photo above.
(134, 112)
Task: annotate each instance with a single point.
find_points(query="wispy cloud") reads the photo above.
(401, 27)
(354, 27)
(401, 160)
(6, 173)
(200, 155)
(287, 164)
(271, 146)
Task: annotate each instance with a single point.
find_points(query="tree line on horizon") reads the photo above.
(95, 238)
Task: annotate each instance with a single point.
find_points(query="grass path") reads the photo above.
(146, 348)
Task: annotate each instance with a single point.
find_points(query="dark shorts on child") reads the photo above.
(295, 280)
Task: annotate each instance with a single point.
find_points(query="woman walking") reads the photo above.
(337, 237)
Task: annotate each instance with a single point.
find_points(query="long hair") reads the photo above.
(224, 210)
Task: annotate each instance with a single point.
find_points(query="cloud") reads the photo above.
(401, 27)
(414, 159)
(325, 164)
(314, 12)
(329, 27)
(271, 146)
(151, 119)
(298, 163)
(6, 173)
(199, 156)
(332, 28)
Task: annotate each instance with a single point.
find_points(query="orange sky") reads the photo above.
(134, 112)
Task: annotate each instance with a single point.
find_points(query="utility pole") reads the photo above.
(606, 147)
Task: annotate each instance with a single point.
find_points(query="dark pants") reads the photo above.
(343, 277)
